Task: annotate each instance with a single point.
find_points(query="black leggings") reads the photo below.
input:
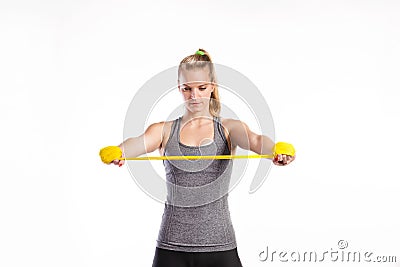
(172, 258)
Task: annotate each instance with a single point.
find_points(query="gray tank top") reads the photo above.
(196, 215)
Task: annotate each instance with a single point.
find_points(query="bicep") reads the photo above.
(152, 137)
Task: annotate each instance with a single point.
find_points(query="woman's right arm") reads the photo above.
(148, 142)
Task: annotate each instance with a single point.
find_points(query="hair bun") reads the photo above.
(200, 52)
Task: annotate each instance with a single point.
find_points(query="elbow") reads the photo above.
(256, 144)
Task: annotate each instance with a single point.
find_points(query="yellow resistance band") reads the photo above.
(200, 157)
(110, 153)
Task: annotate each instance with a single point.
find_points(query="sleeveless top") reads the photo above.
(196, 214)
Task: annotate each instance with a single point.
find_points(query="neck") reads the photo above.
(196, 117)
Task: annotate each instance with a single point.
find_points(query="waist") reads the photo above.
(202, 226)
(215, 211)
(191, 248)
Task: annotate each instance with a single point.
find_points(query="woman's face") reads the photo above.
(196, 88)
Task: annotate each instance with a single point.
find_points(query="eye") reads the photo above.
(203, 88)
(185, 88)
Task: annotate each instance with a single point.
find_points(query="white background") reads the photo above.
(69, 69)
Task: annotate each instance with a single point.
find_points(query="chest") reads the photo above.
(198, 136)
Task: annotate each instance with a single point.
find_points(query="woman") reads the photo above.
(201, 233)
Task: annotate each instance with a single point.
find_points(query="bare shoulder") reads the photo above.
(230, 123)
(165, 127)
(161, 127)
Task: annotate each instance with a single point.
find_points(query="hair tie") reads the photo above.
(198, 52)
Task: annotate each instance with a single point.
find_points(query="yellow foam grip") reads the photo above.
(284, 148)
(110, 153)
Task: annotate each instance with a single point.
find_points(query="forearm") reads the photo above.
(264, 145)
(132, 147)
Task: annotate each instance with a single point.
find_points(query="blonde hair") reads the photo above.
(200, 60)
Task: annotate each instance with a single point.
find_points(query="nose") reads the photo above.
(194, 93)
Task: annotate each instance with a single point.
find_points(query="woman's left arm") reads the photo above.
(242, 136)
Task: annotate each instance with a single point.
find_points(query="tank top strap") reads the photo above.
(175, 127)
(172, 133)
(220, 131)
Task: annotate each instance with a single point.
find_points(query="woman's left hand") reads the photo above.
(283, 159)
